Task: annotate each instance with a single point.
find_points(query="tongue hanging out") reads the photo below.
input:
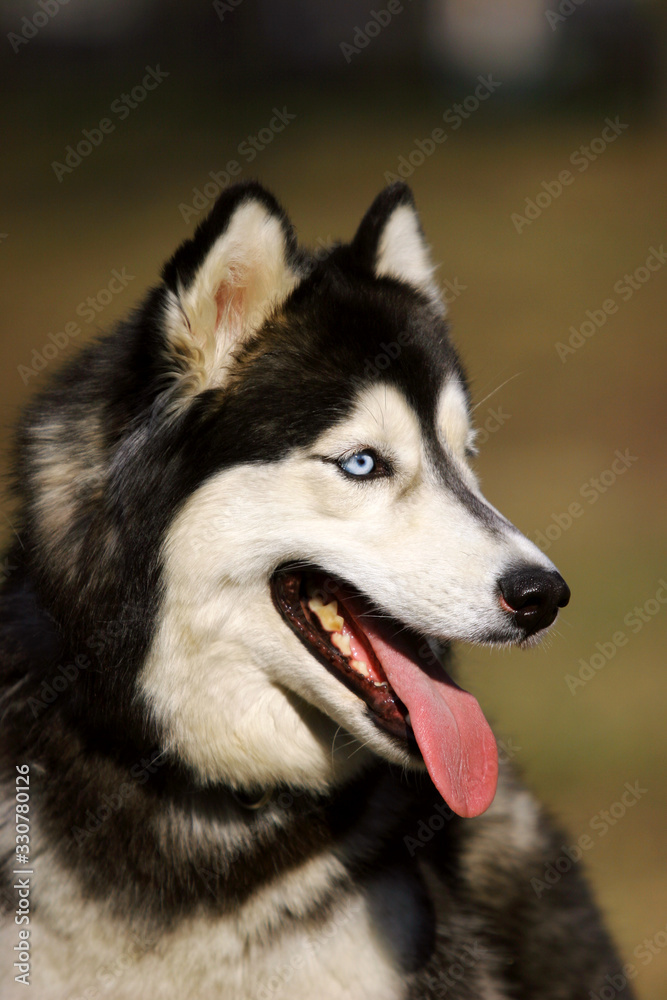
(455, 739)
(382, 663)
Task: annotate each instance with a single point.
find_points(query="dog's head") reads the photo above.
(308, 432)
(339, 533)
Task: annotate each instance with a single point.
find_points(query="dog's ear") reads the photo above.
(222, 284)
(390, 242)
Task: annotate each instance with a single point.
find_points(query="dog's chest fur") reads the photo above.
(340, 957)
(363, 949)
(356, 920)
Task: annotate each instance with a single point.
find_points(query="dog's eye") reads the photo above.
(364, 464)
(360, 464)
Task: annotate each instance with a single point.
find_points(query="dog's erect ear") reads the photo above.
(223, 283)
(390, 241)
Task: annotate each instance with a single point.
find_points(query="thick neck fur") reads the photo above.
(128, 825)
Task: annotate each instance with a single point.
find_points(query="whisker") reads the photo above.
(333, 744)
(360, 747)
(497, 389)
(13, 529)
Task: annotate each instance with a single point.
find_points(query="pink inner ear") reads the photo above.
(230, 303)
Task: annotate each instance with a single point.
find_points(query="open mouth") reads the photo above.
(395, 672)
(329, 618)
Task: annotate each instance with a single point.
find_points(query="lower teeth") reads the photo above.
(342, 643)
(360, 667)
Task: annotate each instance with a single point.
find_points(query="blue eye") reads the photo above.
(362, 463)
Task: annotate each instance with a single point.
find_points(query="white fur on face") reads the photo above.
(452, 421)
(237, 694)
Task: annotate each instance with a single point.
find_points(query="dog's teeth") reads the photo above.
(328, 615)
(342, 642)
(379, 684)
(360, 667)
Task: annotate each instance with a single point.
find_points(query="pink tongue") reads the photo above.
(455, 739)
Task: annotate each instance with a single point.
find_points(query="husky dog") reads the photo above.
(236, 764)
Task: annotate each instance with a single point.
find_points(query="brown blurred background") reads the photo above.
(558, 315)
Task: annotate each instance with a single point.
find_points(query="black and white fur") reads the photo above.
(213, 815)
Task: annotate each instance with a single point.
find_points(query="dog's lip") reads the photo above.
(422, 702)
(287, 586)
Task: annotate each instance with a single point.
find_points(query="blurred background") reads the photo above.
(533, 135)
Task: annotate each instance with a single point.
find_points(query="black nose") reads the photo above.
(534, 596)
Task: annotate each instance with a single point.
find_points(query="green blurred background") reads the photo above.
(551, 422)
